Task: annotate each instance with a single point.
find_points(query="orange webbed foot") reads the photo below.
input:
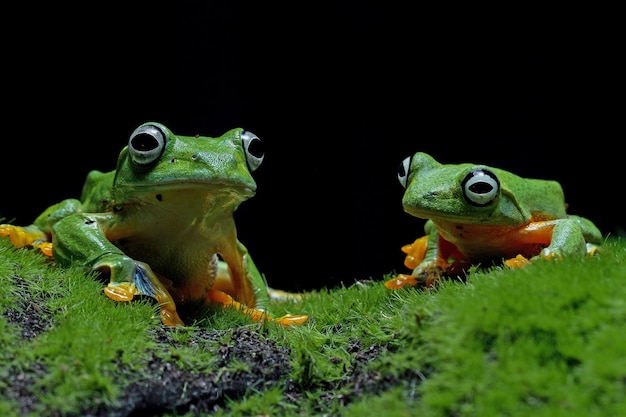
(518, 262)
(415, 252)
(126, 291)
(22, 236)
(226, 300)
(400, 281)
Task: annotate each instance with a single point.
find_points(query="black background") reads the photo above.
(339, 92)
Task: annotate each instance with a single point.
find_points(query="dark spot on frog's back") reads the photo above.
(159, 197)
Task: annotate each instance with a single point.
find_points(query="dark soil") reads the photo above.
(165, 388)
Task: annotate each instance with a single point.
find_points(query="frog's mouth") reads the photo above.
(212, 187)
(477, 216)
(439, 216)
(190, 197)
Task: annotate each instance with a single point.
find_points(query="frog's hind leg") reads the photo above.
(223, 292)
(27, 236)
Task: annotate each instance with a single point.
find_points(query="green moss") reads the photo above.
(529, 341)
(545, 340)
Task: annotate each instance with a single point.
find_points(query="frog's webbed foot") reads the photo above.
(424, 278)
(27, 236)
(589, 249)
(520, 261)
(226, 300)
(425, 272)
(144, 282)
(415, 252)
(592, 249)
(400, 281)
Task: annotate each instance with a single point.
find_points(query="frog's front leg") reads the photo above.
(427, 256)
(81, 238)
(571, 236)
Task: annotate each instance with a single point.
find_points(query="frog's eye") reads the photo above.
(146, 144)
(253, 148)
(480, 187)
(403, 171)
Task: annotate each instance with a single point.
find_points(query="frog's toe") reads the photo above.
(220, 297)
(169, 316)
(400, 281)
(44, 247)
(426, 278)
(518, 262)
(592, 249)
(291, 319)
(121, 291)
(415, 252)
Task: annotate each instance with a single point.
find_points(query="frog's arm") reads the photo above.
(591, 234)
(81, 239)
(570, 236)
(39, 234)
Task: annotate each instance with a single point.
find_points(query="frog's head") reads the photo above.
(463, 193)
(155, 158)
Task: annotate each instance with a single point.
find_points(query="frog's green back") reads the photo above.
(541, 199)
(97, 188)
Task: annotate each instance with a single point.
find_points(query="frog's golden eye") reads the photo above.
(253, 148)
(403, 171)
(481, 187)
(146, 144)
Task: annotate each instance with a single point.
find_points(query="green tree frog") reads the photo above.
(477, 214)
(162, 225)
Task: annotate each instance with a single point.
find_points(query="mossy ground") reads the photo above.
(549, 339)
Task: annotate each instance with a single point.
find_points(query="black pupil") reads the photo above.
(401, 171)
(255, 148)
(481, 188)
(144, 142)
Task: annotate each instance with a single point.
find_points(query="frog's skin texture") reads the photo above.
(477, 214)
(162, 224)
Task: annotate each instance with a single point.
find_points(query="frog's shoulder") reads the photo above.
(97, 186)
